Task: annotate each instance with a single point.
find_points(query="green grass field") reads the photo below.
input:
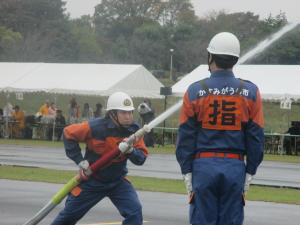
(256, 193)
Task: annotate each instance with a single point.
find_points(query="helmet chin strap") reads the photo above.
(113, 115)
(209, 61)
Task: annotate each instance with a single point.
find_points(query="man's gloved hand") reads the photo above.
(125, 148)
(84, 165)
(187, 178)
(247, 183)
(84, 170)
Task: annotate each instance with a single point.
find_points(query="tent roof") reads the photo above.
(273, 81)
(84, 79)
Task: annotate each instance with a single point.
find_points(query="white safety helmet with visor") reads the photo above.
(224, 43)
(119, 101)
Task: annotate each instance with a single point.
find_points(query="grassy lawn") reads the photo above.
(282, 158)
(34, 143)
(256, 193)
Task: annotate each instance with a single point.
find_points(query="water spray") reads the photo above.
(267, 42)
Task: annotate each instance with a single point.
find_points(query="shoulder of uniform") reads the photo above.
(97, 122)
(195, 87)
(193, 84)
(248, 82)
(199, 81)
(197, 84)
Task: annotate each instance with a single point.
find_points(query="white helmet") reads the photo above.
(119, 101)
(224, 43)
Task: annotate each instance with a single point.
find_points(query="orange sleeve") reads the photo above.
(186, 110)
(256, 112)
(78, 132)
(140, 144)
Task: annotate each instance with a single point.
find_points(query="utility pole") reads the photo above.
(171, 64)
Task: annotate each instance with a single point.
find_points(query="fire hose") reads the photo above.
(100, 163)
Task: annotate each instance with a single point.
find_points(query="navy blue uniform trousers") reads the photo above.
(121, 193)
(218, 186)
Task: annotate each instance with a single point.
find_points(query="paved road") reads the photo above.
(161, 166)
(21, 200)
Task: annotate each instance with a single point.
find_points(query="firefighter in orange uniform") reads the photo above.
(221, 121)
(102, 135)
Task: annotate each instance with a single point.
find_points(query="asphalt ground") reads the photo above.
(22, 200)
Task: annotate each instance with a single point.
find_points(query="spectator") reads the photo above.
(147, 114)
(52, 110)
(44, 109)
(291, 141)
(87, 112)
(18, 117)
(8, 110)
(98, 112)
(29, 124)
(7, 115)
(60, 123)
(74, 111)
(47, 120)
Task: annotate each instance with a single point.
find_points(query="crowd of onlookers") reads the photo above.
(291, 144)
(47, 123)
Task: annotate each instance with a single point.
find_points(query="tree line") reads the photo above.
(133, 32)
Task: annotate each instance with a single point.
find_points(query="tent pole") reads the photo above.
(54, 121)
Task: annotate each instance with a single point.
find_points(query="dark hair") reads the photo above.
(147, 101)
(73, 102)
(224, 61)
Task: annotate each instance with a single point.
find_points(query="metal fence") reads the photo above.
(282, 144)
(275, 143)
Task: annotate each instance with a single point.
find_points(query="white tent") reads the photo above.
(274, 81)
(82, 79)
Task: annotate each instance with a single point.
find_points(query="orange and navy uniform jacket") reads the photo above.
(101, 135)
(221, 114)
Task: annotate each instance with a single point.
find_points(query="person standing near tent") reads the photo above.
(102, 135)
(60, 123)
(147, 114)
(87, 112)
(7, 114)
(98, 111)
(221, 120)
(18, 123)
(73, 111)
(52, 110)
(44, 109)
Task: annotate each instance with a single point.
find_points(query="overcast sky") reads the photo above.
(76, 8)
